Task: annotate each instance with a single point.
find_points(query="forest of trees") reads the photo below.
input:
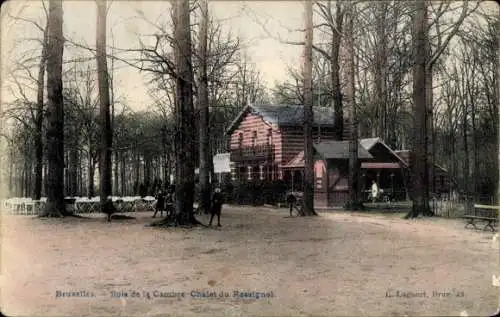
(422, 76)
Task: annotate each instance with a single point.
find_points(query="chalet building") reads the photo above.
(377, 163)
(264, 138)
(331, 172)
(388, 169)
(267, 143)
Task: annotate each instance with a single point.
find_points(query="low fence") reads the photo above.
(77, 205)
(455, 207)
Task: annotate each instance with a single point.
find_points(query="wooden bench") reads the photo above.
(486, 213)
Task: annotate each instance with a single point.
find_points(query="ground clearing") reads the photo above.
(335, 264)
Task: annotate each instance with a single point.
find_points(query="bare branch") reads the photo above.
(453, 32)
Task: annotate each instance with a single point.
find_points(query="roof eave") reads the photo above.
(237, 120)
(390, 151)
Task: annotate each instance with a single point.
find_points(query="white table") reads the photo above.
(126, 204)
(150, 202)
(86, 205)
(22, 205)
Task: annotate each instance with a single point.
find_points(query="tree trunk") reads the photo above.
(308, 180)
(37, 192)
(147, 172)
(137, 164)
(169, 166)
(354, 202)
(211, 171)
(185, 125)
(338, 120)
(496, 95)
(475, 161)
(17, 182)
(204, 133)
(166, 178)
(381, 70)
(72, 171)
(55, 112)
(45, 176)
(430, 129)
(466, 162)
(80, 176)
(121, 158)
(418, 158)
(116, 162)
(105, 186)
(11, 171)
(72, 163)
(24, 179)
(393, 89)
(91, 173)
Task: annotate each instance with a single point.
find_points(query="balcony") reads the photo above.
(252, 153)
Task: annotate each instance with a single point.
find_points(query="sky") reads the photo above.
(240, 18)
(244, 18)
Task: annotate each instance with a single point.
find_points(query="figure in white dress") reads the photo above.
(375, 191)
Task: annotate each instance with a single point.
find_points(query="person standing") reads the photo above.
(216, 207)
(160, 203)
(375, 191)
(291, 200)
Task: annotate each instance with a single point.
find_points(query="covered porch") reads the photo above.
(293, 173)
(390, 178)
(331, 171)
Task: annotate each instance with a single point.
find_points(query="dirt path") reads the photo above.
(335, 264)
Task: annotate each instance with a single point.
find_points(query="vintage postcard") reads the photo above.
(249, 158)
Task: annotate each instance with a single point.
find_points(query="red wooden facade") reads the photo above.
(268, 147)
(255, 148)
(331, 183)
(259, 149)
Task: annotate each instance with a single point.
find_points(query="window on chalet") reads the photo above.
(254, 138)
(240, 140)
(269, 136)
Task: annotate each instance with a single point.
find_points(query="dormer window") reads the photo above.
(269, 136)
(254, 138)
(240, 140)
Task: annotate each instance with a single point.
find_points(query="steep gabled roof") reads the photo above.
(296, 161)
(405, 154)
(339, 150)
(369, 143)
(285, 115)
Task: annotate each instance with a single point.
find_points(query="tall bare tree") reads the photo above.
(333, 21)
(435, 51)
(418, 158)
(104, 117)
(496, 98)
(184, 110)
(308, 114)
(380, 69)
(354, 166)
(203, 123)
(38, 138)
(55, 112)
(37, 190)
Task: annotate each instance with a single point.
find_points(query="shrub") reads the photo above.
(255, 192)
